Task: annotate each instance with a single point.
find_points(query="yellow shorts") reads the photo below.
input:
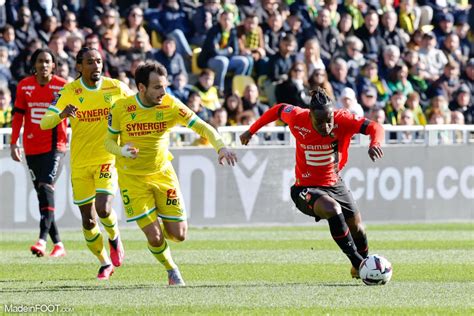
(146, 197)
(90, 180)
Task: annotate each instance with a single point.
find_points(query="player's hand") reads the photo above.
(228, 155)
(69, 111)
(15, 152)
(245, 137)
(129, 151)
(375, 152)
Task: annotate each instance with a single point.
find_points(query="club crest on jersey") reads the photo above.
(78, 91)
(159, 116)
(108, 97)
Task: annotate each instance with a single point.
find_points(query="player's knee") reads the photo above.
(45, 194)
(181, 236)
(328, 208)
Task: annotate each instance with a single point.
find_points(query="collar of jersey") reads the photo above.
(91, 88)
(140, 104)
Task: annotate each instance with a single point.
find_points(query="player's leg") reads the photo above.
(84, 195)
(105, 184)
(358, 234)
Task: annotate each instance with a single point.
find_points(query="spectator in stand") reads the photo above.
(56, 44)
(467, 76)
(398, 79)
(48, 27)
(369, 77)
(94, 11)
(205, 17)
(132, 26)
(368, 99)
(411, 16)
(319, 78)
(462, 101)
(370, 35)
(5, 108)
(265, 8)
(416, 40)
(194, 102)
(63, 71)
(294, 90)
(391, 57)
(220, 51)
(449, 81)
(355, 8)
(452, 50)
(377, 115)
(348, 101)
(407, 119)
(443, 27)
(233, 106)
(206, 89)
(70, 26)
(170, 21)
(280, 64)
(438, 107)
(273, 33)
(353, 56)
(310, 56)
(25, 30)
(5, 73)
(345, 27)
(338, 76)
(413, 104)
(113, 58)
(294, 26)
(395, 107)
(8, 40)
(251, 40)
(433, 57)
(110, 23)
(325, 33)
(391, 34)
(73, 45)
(20, 65)
(180, 88)
(251, 101)
(169, 57)
(461, 28)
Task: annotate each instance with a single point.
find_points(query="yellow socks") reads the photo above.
(110, 225)
(95, 243)
(163, 255)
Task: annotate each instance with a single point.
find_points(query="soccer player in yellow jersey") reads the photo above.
(86, 102)
(138, 136)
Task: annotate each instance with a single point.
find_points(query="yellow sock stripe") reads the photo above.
(156, 251)
(93, 238)
(109, 226)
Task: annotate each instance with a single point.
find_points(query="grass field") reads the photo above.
(261, 270)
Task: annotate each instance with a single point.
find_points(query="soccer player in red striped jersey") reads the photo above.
(323, 136)
(44, 150)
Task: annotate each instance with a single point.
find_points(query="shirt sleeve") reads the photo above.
(189, 119)
(111, 139)
(18, 114)
(51, 118)
(354, 124)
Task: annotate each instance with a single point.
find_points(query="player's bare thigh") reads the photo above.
(178, 230)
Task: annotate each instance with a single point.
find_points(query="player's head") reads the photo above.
(43, 62)
(89, 64)
(151, 79)
(322, 111)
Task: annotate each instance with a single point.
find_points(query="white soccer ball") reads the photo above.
(375, 270)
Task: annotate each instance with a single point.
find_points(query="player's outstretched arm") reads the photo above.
(53, 116)
(228, 155)
(245, 137)
(376, 133)
(114, 148)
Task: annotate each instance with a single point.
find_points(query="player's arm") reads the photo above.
(59, 109)
(111, 139)
(273, 114)
(192, 121)
(17, 123)
(376, 134)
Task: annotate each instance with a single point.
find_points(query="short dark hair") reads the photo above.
(35, 55)
(82, 52)
(142, 74)
(320, 100)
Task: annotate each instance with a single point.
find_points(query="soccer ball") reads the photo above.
(375, 270)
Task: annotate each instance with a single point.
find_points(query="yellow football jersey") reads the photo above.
(147, 128)
(89, 127)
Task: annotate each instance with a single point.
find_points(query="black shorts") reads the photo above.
(304, 198)
(45, 167)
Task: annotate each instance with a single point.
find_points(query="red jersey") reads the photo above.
(320, 158)
(32, 102)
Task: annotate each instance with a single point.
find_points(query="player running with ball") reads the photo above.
(323, 136)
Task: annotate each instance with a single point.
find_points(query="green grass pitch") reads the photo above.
(251, 270)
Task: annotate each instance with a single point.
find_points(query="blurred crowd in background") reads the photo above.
(399, 62)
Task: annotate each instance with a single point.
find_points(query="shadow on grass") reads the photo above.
(106, 287)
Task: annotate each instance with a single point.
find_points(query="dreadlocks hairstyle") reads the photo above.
(320, 100)
(80, 57)
(35, 55)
